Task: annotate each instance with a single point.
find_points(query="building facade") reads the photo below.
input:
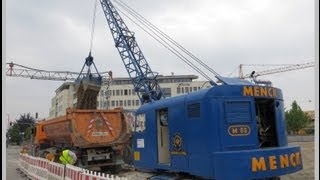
(121, 94)
(65, 97)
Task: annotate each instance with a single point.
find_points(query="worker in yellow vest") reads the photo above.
(66, 156)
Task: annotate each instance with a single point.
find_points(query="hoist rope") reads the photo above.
(168, 46)
(160, 34)
(93, 23)
(148, 23)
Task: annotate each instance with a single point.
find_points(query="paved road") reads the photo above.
(306, 174)
(12, 161)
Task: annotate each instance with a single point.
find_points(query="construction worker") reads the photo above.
(66, 156)
(50, 156)
(24, 150)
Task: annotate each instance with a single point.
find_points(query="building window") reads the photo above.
(194, 88)
(112, 103)
(182, 90)
(199, 88)
(124, 103)
(166, 92)
(129, 92)
(108, 103)
(117, 103)
(121, 103)
(129, 102)
(117, 92)
(126, 92)
(59, 108)
(178, 90)
(113, 93)
(132, 102)
(137, 102)
(104, 104)
(187, 89)
(60, 99)
(121, 91)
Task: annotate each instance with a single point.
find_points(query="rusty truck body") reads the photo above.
(99, 137)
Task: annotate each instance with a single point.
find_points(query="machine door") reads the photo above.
(237, 124)
(163, 136)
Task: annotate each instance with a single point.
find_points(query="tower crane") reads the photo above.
(18, 70)
(284, 68)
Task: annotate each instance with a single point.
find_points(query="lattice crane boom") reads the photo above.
(143, 78)
(17, 70)
(285, 68)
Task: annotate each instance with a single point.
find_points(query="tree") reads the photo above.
(296, 119)
(14, 134)
(28, 133)
(21, 129)
(25, 121)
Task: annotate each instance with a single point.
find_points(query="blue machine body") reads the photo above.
(214, 133)
(231, 131)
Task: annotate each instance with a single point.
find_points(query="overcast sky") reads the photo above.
(55, 35)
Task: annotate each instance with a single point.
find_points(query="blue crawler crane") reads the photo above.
(232, 131)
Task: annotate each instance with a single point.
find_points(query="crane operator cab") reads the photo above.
(235, 130)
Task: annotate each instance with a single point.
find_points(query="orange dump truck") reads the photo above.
(99, 137)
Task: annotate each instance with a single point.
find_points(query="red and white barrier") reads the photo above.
(33, 167)
(41, 169)
(23, 163)
(55, 171)
(36, 169)
(92, 175)
(73, 172)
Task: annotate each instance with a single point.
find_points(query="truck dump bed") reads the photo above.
(87, 93)
(84, 129)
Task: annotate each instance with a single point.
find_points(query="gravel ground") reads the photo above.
(307, 173)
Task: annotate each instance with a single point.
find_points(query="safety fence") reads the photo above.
(37, 168)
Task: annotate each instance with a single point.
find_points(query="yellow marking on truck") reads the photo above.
(239, 130)
(285, 161)
(273, 162)
(259, 91)
(136, 155)
(258, 165)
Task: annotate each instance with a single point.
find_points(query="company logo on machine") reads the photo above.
(239, 130)
(177, 145)
(274, 162)
(259, 91)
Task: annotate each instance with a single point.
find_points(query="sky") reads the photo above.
(55, 35)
